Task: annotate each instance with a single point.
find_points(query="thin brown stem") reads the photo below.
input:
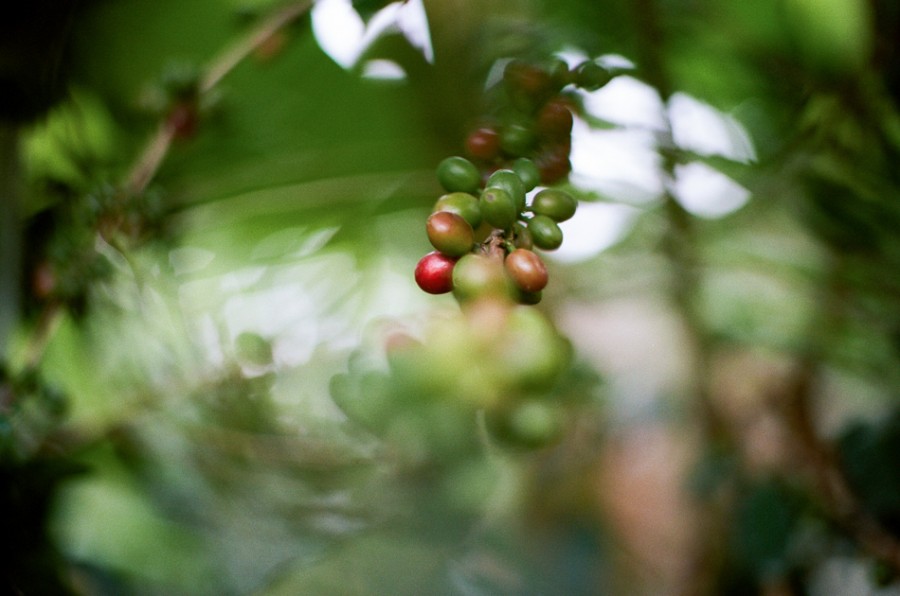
(154, 153)
(151, 158)
(233, 55)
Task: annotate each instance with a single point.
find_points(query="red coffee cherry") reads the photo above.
(527, 270)
(554, 121)
(483, 144)
(553, 163)
(434, 273)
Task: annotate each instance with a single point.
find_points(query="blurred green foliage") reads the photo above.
(223, 384)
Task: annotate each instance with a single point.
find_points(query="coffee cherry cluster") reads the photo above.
(483, 231)
(484, 236)
(533, 117)
(495, 362)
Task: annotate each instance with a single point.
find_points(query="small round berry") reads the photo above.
(509, 181)
(527, 270)
(498, 208)
(527, 85)
(528, 172)
(554, 120)
(458, 174)
(479, 276)
(545, 232)
(590, 76)
(556, 204)
(517, 139)
(483, 143)
(434, 273)
(554, 163)
(462, 204)
(559, 73)
(450, 233)
(529, 425)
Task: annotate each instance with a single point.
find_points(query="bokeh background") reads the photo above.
(210, 212)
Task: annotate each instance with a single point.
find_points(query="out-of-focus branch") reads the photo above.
(680, 244)
(817, 456)
(148, 162)
(151, 158)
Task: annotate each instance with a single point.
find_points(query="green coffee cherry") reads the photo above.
(545, 232)
(556, 204)
(528, 425)
(517, 139)
(458, 174)
(498, 208)
(528, 172)
(590, 76)
(509, 181)
(462, 204)
(479, 276)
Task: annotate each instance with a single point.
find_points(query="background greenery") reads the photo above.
(178, 357)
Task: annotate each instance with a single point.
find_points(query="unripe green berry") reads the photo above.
(528, 425)
(479, 276)
(528, 172)
(462, 204)
(458, 174)
(517, 139)
(545, 232)
(590, 76)
(556, 204)
(449, 233)
(509, 181)
(559, 73)
(498, 208)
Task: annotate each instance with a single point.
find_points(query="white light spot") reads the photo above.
(342, 34)
(339, 30)
(626, 101)
(594, 228)
(620, 163)
(699, 127)
(706, 192)
(385, 70)
(413, 23)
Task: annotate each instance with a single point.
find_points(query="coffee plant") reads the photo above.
(652, 345)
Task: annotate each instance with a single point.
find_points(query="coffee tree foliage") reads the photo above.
(217, 374)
